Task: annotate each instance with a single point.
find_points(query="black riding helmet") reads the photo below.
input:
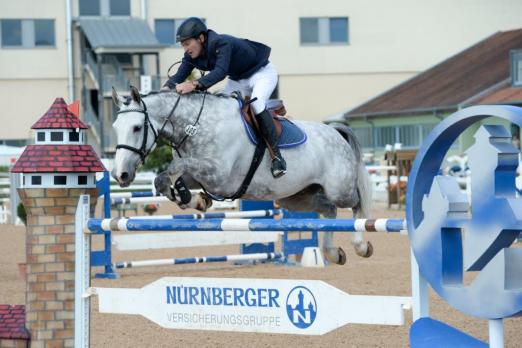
(190, 28)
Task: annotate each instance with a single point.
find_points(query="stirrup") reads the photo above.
(280, 170)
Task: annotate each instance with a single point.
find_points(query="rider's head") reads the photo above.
(192, 35)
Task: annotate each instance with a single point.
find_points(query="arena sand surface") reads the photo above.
(387, 272)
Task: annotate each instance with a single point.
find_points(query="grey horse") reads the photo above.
(324, 174)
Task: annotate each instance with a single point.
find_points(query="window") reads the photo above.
(164, 29)
(384, 136)
(409, 135)
(11, 32)
(44, 32)
(324, 31)
(27, 33)
(56, 136)
(40, 136)
(74, 136)
(364, 136)
(82, 180)
(60, 180)
(516, 67)
(120, 7)
(426, 129)
(36, 180)
(89, 7)
(104, 7)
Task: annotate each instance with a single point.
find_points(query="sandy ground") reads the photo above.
(387, 272)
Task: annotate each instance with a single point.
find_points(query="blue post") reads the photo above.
(296, 246)
(254, 248)
(103, 257)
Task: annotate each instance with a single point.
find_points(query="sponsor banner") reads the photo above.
(306, 307)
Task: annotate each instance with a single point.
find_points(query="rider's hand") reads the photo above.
(186, 87)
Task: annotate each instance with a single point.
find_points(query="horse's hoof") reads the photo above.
(335, 255)
(369, 251)
(208, 201)
(203, 203)
(342, 257)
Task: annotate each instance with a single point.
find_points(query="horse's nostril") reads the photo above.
(124, 176)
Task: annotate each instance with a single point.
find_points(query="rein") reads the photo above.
(143, 152)
(190, 130)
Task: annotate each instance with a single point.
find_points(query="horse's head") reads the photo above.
(136, 136)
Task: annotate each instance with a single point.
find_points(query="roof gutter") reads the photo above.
(403, 112)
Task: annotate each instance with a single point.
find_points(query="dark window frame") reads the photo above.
(76, 137)
(36, 180)
(39, 136)
(60, 179)
(82, 180)
(55, 134)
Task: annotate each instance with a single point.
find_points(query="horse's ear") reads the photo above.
(116, 99)
(135, 94)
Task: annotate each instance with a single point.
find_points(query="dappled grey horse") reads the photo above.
(324, 174)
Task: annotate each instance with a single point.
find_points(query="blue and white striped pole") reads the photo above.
(218, 215)
(257, 225)
(207, 259)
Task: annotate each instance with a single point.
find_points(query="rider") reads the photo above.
(246, 64)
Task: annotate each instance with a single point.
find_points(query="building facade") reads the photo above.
(331, 55)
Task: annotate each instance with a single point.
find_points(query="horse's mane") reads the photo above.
(200, 93)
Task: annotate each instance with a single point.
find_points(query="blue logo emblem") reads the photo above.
(301, 307)
(462, 244)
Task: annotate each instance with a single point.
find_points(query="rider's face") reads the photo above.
(194, 46)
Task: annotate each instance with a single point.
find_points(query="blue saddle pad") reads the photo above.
(291, 134)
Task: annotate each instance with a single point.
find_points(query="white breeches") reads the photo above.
(260, 86)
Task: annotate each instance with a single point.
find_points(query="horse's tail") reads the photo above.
(363, 179)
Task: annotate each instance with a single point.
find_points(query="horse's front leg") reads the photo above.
(164, 182)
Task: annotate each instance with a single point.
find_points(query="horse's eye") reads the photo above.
(137, 129)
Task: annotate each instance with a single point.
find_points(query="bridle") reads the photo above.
(143, 151)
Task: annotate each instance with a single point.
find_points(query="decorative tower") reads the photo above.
(55, 171)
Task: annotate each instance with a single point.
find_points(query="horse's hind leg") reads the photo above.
(345, 199)
(362, 248)
(313, 199)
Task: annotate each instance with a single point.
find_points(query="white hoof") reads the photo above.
(364, 249)
(335, 255)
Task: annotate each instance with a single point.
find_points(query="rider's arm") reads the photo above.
(183, 72)
(223, 52)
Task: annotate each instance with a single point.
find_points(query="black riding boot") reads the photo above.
(268, 130)
(184, 193)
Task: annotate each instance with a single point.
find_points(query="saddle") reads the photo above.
(274, 106)
(288, 134)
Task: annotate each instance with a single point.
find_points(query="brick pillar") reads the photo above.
(50, 263)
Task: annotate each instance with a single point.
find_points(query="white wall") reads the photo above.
(389, 41)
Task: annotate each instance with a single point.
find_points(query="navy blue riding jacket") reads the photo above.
(223, 55)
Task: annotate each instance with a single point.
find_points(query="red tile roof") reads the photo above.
(59, 116)
(58, 158)
(12, 322)
(505, 94)
(450, 83)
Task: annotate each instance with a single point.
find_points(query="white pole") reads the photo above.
(419, 291)
(496, 333)
(82, 275)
